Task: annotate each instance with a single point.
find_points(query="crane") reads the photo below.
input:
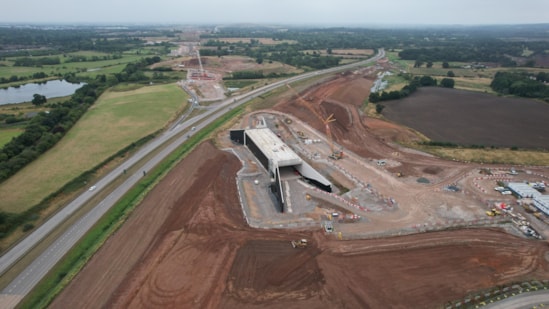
(335, 154)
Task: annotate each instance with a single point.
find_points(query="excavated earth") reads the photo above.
(188, 246)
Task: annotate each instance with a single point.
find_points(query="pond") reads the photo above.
(50, 89)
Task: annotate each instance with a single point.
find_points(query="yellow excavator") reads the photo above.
(493, 212)
(300, 243)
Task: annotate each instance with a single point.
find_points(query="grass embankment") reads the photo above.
(499, 156)
(7, 134)
(78, 256)
(114, 122)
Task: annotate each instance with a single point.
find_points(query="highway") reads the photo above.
(34, 272)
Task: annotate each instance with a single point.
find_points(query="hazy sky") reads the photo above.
(331, 12)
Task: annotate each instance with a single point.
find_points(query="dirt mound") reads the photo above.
(349, 129)
(195, 63)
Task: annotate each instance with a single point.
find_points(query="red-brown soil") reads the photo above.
(187, 246)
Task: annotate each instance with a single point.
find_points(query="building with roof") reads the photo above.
(270, 149)
(523, 190)
(278, 159)
(542, 203)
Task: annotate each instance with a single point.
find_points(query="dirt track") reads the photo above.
(187, 244)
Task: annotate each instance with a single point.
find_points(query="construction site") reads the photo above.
(312, 203)
(201, 84)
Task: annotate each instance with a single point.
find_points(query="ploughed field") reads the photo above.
(470, 118)
(188, 246)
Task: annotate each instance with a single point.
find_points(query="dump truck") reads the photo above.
(300, 243)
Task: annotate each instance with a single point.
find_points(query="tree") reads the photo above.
(379, 108)
(447, 83)
(430, 64)
(450, 74)
(426, 81)
(38, 99)
(374, 97)
(445, 65)
(418, 64)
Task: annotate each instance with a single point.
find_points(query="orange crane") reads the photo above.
(335, 154)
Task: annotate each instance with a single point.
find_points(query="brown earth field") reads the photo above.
(469, 118)
(188, 246)
(229, 64)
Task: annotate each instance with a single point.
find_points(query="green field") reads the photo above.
(239, 83)
(105, 66)
(7, 134)
(116, 120)
(506, 156)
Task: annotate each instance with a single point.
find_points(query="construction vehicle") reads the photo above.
(399, 174)
(335, 154)
(493, 212)
(300, 243)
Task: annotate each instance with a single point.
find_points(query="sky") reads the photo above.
(292, 12)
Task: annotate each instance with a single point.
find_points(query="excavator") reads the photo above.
(300, 243)
(335, 154)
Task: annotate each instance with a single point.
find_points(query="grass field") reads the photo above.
(115, 121)
(105, 66)
(395, 82)
(239, 83)
(7, 134)
(474, 84)
(521, 157)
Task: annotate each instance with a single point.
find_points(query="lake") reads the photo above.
(50, 89)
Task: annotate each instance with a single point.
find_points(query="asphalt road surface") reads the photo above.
(34, 272)
(538, 299)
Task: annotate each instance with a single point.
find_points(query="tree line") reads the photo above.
(413, 85)
(290, 54)
(62, 41)
(522, 84)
